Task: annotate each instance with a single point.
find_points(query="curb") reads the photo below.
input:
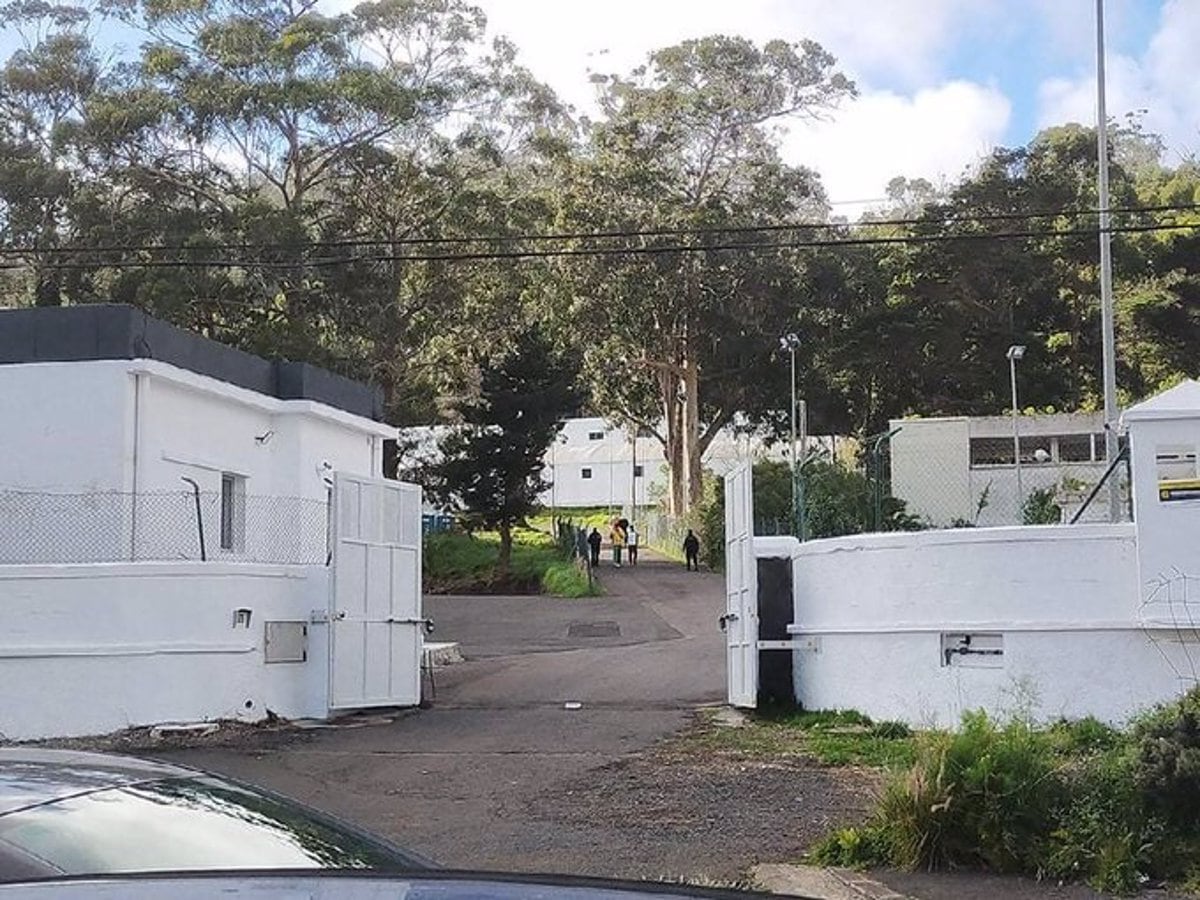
(820, 883)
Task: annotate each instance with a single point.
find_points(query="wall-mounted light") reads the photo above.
(264, 438)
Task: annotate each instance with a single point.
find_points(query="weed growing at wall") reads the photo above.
(1076, 801)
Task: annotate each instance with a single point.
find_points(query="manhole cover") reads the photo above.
(593, 630)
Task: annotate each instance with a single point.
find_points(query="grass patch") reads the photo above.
(565, 579)
(466, 564)
(1071, 801)
(834, 738)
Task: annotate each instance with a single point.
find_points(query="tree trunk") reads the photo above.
(692, 450)
(676, 477)
(502, 561)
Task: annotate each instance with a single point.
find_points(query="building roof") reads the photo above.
(104, 331)
(1180, 402)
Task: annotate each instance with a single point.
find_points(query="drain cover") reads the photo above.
(593, 630)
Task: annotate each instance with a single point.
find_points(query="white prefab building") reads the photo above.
(956, 471)
(1040, 621)
(189, 532)
(595, 463)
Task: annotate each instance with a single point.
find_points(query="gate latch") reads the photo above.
(726, 619)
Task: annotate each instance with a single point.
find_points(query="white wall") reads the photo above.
(95, 648)
(931, 468)
(64, 426)
(870, 612)
(106, 430)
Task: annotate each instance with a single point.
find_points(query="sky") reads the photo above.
(940, 82)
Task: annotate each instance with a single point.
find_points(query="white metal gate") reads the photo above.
(741, 590)
(375, 621)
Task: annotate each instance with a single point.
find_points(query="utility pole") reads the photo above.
(1107, 315)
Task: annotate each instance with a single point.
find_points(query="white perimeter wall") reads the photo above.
(94, 648)
(870, 612)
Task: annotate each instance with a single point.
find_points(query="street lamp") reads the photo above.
(1016, 352)
(791, 343)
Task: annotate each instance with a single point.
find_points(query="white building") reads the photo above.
(1041, 621)
(594, 463)
(961, 470)
(166, 530)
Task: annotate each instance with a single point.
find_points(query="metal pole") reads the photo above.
(1016, 423)
(1107, 317)
(795, 492)
(798, 477)
(199, 516)
(633, 477)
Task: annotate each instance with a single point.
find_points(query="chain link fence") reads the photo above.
(1055, 482)
(177, 525)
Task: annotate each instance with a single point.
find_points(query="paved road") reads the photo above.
(455, 782)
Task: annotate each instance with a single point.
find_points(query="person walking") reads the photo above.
(691, 551)
(618, 543)
(594, 540)
(631, 544)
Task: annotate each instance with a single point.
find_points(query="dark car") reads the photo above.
(66, 813)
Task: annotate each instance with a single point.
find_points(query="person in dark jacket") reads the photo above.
(594, 540)
(691, 551)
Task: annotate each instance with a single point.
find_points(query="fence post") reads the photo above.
(199, 515)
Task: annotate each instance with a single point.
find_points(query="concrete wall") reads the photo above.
(95, 648)
(107, 431)
(64, 426)
(875, 613)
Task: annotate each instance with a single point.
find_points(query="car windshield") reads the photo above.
(186, 824)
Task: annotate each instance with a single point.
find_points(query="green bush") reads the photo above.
(566, 579)
(1075, 800)
(1039, 508)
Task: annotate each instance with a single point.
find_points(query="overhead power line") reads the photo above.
(567, 252)
(949, 218)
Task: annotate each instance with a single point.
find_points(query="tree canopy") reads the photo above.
(386, 191)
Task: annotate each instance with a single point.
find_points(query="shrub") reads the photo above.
(1168, 765)
(1039, 508)
(566, 579)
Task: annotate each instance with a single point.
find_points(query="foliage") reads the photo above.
(457, 563)
(566, 579)
(1075, 800)
(833, 737)
(1039, 508)
(490, 466)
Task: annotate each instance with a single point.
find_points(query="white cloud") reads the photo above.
(935, 133)
(922, 127)
(1159, 81)
(888, 40)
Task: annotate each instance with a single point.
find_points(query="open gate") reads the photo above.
(375, 619)
(740, 621)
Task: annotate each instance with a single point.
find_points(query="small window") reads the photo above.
(233, 511)
(991, 451)
(1036, 450)
(586, 474)
(1076, 448)
(595, 435)
(637, 471)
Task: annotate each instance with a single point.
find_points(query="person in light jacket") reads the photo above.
(618, 543)
(631, 543)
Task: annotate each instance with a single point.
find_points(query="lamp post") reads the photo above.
(791, 343)
(1107, 324)
(1016, 352)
